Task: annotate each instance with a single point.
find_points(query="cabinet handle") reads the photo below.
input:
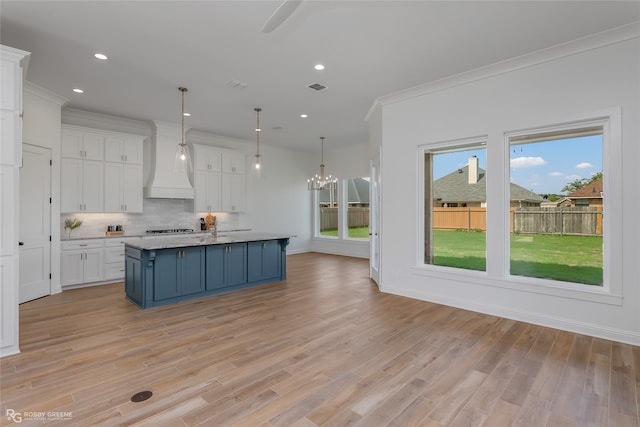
(264, 245)
(86, 244)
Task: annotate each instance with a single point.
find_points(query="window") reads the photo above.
(455, 206)
(328, 212)
(556, 203)
(358, 208)
(343, 212)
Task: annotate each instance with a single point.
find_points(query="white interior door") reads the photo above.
(35, 222)
(374, 220)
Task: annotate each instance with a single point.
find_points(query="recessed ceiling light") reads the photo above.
(186, 114)
(304, 116)
(76, 90)
(100, 56)
(319, 67)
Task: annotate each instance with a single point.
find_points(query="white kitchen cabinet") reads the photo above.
(123, 149)
(122, 187)
(81, 185)
(218, 179)
(82, 261)
(232, 193)
(101, 171)
(232, 162)
(206, 191)
(13, 64)
(114, 259)
(207, 158)
(76, 144)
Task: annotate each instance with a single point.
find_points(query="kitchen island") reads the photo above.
(167, 270)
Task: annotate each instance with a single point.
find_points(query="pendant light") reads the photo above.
(258, 130)
(182, 161)
(322, 182)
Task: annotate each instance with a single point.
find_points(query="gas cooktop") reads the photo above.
(171, 230)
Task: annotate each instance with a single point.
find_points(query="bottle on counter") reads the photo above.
(203, 225)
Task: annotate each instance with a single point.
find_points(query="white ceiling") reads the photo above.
(369, 48)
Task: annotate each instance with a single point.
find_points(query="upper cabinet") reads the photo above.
(207, 158)
(101, 171)
(233, 162)
(218, 179)
(82, 145)
(123, 149)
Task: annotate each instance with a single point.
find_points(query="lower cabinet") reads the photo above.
(81, 261)
(134, 278)
(265, 260)
(178, 272)
(226, 265)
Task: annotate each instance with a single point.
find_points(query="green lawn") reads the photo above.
(354, 233)
(566, 258)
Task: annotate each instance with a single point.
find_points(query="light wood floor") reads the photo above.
(323, 348)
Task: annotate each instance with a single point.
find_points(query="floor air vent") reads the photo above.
(317, 86)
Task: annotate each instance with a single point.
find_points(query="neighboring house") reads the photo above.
(589, 195)
(466, 187)
(357, 194)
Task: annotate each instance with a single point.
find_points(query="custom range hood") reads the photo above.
(164, 183)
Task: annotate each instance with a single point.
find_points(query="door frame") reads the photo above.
(48, 152)
(375, 218)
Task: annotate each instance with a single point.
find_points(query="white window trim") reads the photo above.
(611, 224)
(611, 292)
(435, 148)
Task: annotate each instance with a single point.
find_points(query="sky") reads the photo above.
(542, 167)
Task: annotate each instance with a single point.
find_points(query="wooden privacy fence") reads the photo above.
(356, 217)
(532, 220)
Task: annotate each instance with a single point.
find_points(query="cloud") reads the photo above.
(556, 174)
(584, 165)
(527, 162)
(572, 177)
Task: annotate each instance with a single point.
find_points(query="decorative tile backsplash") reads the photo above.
(158, 214)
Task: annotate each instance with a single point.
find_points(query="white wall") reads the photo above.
(571, 81)
(41, 126)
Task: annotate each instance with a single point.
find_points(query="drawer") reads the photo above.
(70, 245)
(114, 271)
(114, 254)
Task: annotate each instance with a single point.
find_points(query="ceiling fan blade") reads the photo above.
(281, 14)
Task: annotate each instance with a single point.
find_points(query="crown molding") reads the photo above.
(43, 93)
(594, 41)
(75, 117)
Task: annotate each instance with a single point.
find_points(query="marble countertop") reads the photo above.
(186, 240)
(145, 235)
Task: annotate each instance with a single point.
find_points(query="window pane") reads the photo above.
(455, 218)
(358, 208)
(556, 200)
(328, 208)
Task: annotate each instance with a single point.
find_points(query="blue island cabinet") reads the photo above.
(226, 265)
(157, 276)
(265, 260)
(178, 272)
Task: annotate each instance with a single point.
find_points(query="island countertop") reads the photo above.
(181, 241)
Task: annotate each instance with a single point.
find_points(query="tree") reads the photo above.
(581, 182)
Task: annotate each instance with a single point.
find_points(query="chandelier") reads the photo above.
(322, 181)
(258, 130)
(182, 161)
